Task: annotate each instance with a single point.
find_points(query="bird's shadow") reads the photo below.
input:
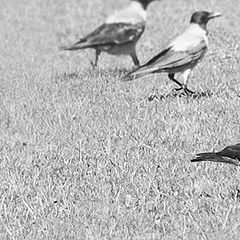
(116, 72)
(175, 94)
(65, 77)
(94, 72)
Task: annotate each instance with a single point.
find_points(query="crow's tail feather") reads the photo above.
(138, 73)
(79, 45)
(214, 157)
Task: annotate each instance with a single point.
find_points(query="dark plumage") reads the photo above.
(230, 154)
(116, 39)
(144, 3)
(202, 18)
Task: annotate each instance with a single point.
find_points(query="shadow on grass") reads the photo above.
(65, 77)
(175, 94)
(116, 72)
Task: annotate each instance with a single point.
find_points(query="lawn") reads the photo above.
(84, 155)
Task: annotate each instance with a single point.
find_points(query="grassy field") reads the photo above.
(86, 156)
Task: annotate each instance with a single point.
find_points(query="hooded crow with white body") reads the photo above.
(119, 34)
(182, 54)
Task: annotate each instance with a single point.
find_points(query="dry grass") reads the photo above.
(85, 156)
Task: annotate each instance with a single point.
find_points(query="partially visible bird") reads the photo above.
(182, 54)
(119, 34)
(230, 154)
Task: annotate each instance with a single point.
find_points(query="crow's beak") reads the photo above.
(214, 15)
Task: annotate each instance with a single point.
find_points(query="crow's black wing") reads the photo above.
(115, 33)
(232, 151)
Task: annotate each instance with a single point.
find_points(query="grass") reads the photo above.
(86, 156)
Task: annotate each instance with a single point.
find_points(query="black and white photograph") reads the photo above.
(119, 120)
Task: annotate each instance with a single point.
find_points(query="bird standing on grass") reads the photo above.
(230, 154)
(182, 54)
(119, 34)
